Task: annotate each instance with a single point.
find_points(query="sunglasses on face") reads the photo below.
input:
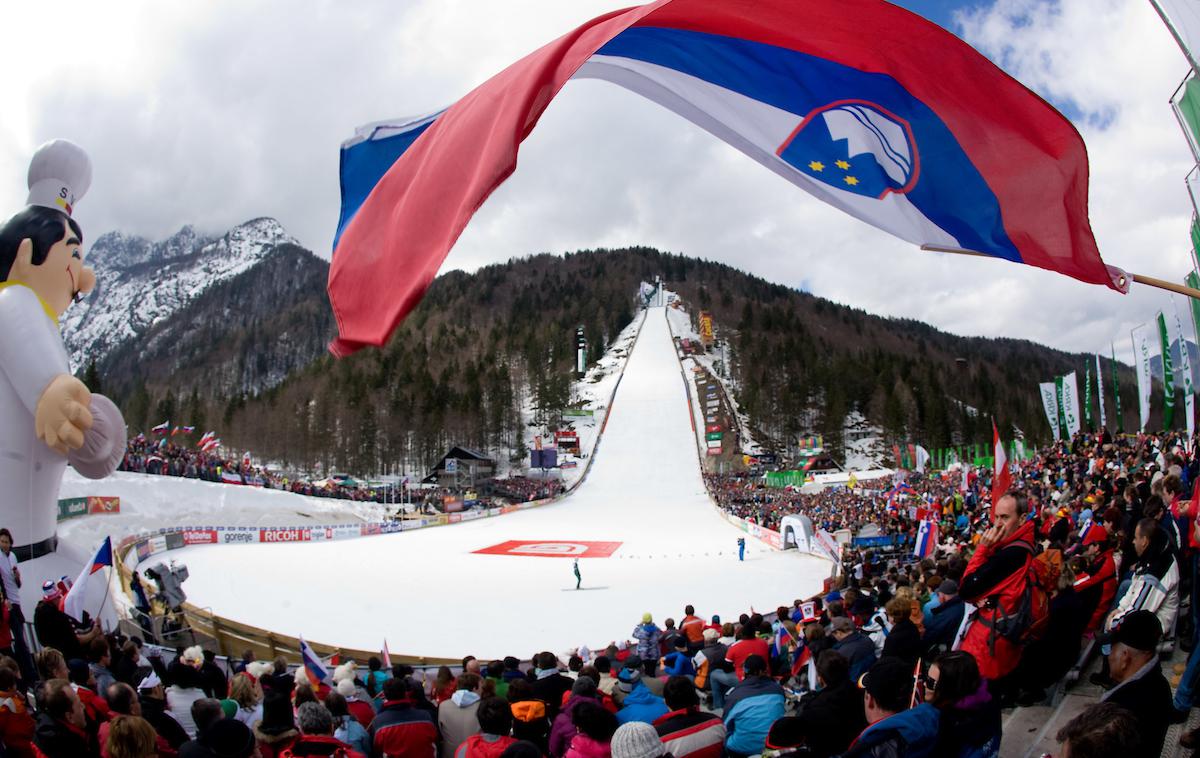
(930, 682)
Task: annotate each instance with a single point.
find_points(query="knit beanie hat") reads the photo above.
(647, 618)
(229, 708)
(636, 739)
(277, 714)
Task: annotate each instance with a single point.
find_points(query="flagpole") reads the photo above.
(1149, 281)
(1178, 40)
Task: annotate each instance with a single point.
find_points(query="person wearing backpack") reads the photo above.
(998, 582)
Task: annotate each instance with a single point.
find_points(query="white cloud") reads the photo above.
(213, 113)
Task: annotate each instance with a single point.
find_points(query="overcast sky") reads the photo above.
(217, 112)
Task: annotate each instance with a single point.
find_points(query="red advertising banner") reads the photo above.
(285, 535)
(104, 505)
(552, 549)
(199, 536)
(713, 428)
(714, 451)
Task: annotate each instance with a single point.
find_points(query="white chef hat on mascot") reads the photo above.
(59, 175)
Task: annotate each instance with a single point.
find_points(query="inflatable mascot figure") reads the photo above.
(48, 418)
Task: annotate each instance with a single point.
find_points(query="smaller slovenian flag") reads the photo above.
(803, 661)
(182, 430)
(314, 668)
(927, 539)
(161, 428)
(1083, 531)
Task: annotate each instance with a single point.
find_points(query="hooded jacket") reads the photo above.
(641, 705)
(484, 746)
(750, 709)
(457, 720)
(908, 734)
(563, 728)
(859, 651)
(58, 739)
(530, 722)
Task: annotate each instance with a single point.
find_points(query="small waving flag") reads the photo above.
(386, 654)
(73, 604)
(314, 668)
(161, 428)
(1001, 476)
(927, 539)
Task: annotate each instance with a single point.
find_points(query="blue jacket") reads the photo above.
(912, 734)
(679, 664)
(750, 709)
(859, 651)
(647, 636)
(641, 705)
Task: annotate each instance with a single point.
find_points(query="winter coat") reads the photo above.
(531, 723)
(586, 747)
(402, 731)
(1154, 587)
(750, 709)
(550, 688)
(354, 734)
(903, 642)
(249, 716)
(970, 728)
(943, 623)
(58, 739)
(163, 721)
(273, 745)
(830, 718)
(679, 664)
(484, 746)
(859, 651)
(16, 725)
(691, 733)
(995, 581)
(648, 636)
(1097, 588)
(641, 705)
(457, 721)
(908, 734)
(320, 745)
(563, 729)
(1146, 695)
(180, 700)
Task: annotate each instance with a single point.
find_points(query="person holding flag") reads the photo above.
(828, 718)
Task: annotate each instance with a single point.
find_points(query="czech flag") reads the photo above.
(861, 103)
(927, 539)
(74, 601)
(314, 668)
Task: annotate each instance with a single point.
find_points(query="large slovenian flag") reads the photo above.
(1001, 476)
(314, 667)
(74, 601)
(863, 104)
(927, 539)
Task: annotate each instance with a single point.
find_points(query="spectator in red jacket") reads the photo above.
(400, 730)
(16, 723)
(495, 722)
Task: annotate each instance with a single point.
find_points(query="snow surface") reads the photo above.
(429, 594)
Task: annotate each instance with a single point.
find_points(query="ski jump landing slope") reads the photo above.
(430, 593)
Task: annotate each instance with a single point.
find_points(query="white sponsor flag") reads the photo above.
(1050, 404)
(1185, 368)
(1141, 363)
(1100, 391)
(1070, 403)
(922, 458)
(1182, 17)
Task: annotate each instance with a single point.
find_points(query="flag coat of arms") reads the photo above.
(927, 539)
(314, 667)
(863, 104)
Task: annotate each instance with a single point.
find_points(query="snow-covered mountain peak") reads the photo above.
(140, 282)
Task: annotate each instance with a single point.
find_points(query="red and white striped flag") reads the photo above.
(1001, 477)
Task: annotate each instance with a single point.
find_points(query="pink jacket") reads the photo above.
(583, 746)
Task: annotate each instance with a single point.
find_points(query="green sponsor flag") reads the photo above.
(1117, 388)
(1193, 280)
(1168, 373)
(1187, 108)
(1195, 237)
(1062, 412)
(1087, 397)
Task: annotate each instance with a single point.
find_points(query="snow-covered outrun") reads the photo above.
(429, 593)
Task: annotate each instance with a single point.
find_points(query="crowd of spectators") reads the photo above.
(1091, 551)
(161, 457)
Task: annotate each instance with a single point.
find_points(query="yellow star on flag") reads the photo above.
(851, 180)
(843, 165)
(817, 166)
